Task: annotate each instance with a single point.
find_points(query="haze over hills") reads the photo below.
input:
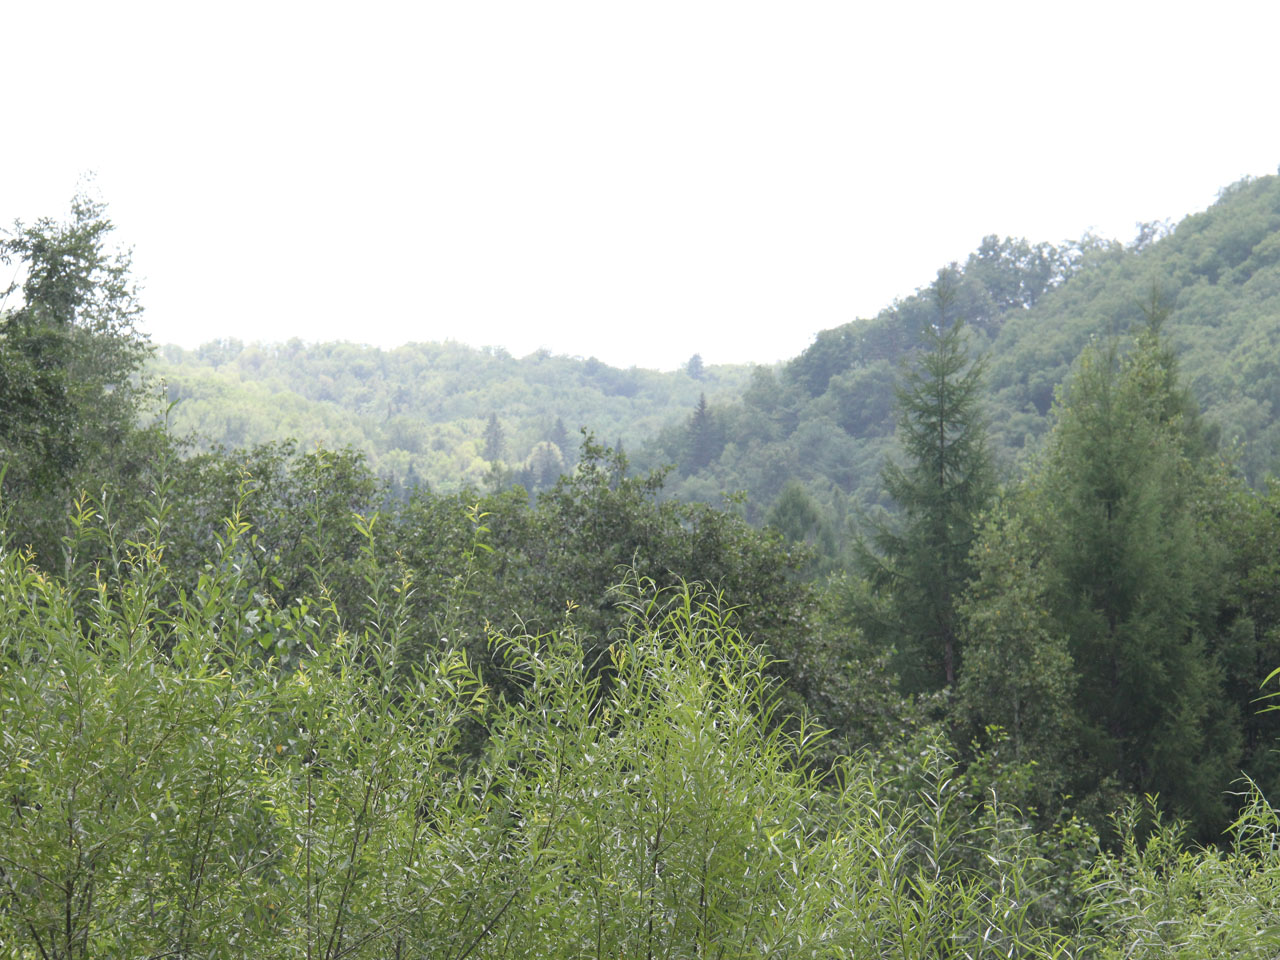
(825, 419)
(420, 411)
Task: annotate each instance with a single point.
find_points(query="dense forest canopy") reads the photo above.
(419, 412)
(824, 421)
(968, 662)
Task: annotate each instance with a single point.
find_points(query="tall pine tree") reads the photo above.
(919, 568)
(494, 439)
(705, 438)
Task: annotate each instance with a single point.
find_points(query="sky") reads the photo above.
(633, 181)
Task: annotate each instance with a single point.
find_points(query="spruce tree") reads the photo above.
(920, 567)
(560, 437)
(1131, 579)
(494, 439)
(704, 437)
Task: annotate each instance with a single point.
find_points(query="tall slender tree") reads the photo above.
(920, 566)
(494, 439)
(704, 437)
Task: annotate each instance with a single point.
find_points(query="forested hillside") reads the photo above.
(423, 412)
(825, 422)
(819, 426)
(260, 701)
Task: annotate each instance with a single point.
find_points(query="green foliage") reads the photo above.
(794, 515)
(218, 777)
(425, 407)
(1018, 673)
(494, 439)
(946, 483)
(704, 440)
(825, 419)
(69, 359)
(1247, 524)
(283, 703)
(1158, 898)
(1129, 579)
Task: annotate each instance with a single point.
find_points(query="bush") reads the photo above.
(221, 776)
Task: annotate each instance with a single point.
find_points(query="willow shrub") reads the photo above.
(1156, 896)
(219, 777)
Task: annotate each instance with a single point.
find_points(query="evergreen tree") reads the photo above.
(494, 440)
(545, 464)
(694, 367)
(1131, 578)
(794, 515)
(920, 568)
(703, 437)
(560, 437)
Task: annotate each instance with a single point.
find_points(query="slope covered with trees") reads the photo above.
(825, 422)
(819, 427)
(257, 702)
(425, 412)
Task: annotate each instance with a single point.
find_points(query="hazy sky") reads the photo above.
(635, 181)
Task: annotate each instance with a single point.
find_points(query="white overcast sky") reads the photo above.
(636, 181)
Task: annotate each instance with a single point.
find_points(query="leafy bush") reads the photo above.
(222, 776)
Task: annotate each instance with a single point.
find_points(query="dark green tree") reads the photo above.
(70, 358)
(494, 439)
(704, 437)
(1132, 583)
(921, 566)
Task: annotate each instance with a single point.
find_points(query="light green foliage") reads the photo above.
(224, 777)
(1159, 899)
(425, 406)
(173, 791)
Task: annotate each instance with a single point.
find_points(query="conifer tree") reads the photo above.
(560, 437)
(1131, 577)
(704, 437)
(920, 568)
(494, 439)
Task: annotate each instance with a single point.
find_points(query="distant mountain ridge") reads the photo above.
(822, 423)
(419, 412)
